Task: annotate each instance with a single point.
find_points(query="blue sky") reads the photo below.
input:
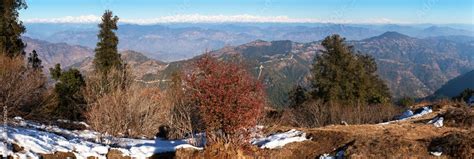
(338, 11)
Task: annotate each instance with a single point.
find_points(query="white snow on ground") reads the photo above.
(436, 153)
(437, 122)
(37, 138)
(280, 140)
(410, 115)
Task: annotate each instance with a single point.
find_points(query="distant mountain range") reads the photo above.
(173, 42)
(413, 67)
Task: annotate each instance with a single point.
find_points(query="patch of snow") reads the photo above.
(339, 154)
(406, 114)
(45, 139)
(409, 114)
(326, 156)
(437, 122)
(280, 140)
(436, 153)
(74, 122)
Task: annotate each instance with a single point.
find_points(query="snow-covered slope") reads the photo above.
(37, 139)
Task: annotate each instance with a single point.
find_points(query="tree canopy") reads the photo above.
(106, 54)
(11, 27)
(342, 75)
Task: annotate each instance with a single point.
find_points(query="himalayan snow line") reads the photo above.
(45, 139)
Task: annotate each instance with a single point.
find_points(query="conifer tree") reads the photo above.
(11, 27)
(106, 54)
(341, 75)
(34, 62)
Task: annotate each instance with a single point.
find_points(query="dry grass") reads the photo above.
(316, 114)
(460, 116)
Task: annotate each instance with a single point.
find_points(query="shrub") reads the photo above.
(184, 118)
(71, 103)
(20, 87)
(118, 107)
(229, 100)
(134, 112)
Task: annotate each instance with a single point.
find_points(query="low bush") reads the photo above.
(230, 101)
(134, 112)
(118, 107)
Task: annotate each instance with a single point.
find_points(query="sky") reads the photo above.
(294, 11)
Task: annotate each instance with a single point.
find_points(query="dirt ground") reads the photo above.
(412, 138)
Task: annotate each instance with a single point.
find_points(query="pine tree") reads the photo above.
(34, 62)
(11, 28)
(341, 75)
(106, 54)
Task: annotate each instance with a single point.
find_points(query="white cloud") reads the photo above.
(67, 19)
(198, 18)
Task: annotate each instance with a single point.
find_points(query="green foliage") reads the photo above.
(341, 75)
(34, 62)
(11, 27)
(106, 54)
(68, 89)
(55, 72)
(406, 101)
(297, 96)
(464, 95)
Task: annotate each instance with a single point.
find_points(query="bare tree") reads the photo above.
(18, 85)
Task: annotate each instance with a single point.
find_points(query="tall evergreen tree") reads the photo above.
(11, 27)
(34, 62)
(342, 75)
(106, 54)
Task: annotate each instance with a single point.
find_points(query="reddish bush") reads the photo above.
(229, 99)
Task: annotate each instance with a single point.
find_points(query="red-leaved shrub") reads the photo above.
(229, 99)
